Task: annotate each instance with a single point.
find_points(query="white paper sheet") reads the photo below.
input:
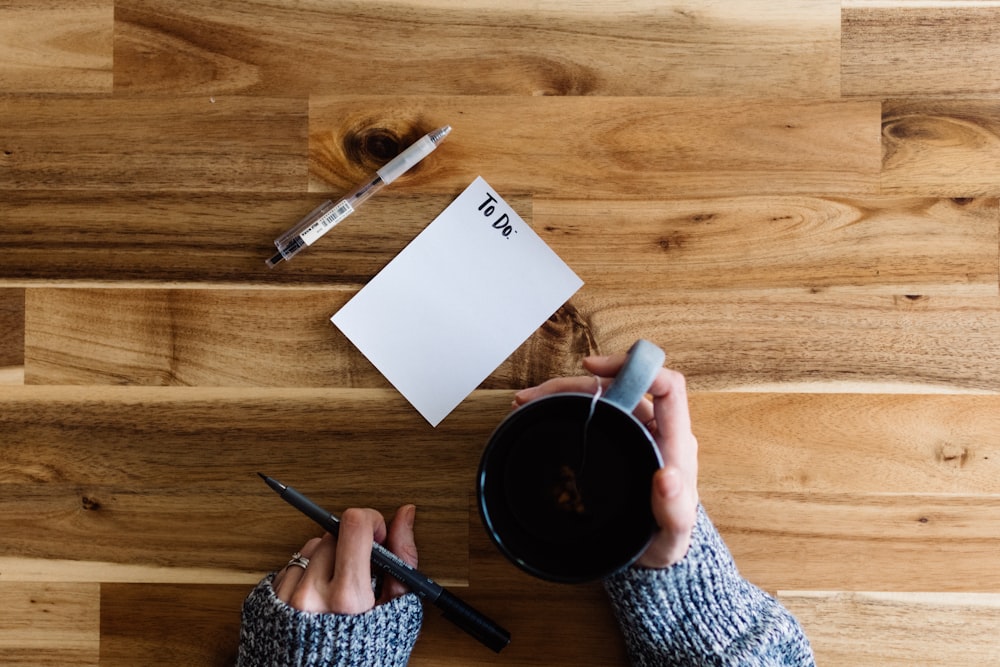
(457, 301)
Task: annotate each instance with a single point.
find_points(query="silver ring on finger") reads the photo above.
(298, 560)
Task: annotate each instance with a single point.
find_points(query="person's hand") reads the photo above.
(675, 486)
(338, 575)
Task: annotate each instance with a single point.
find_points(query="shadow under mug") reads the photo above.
(564, 482)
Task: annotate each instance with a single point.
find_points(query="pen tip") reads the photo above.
(262, 476)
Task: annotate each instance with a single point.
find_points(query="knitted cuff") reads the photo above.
(701, 611)
(273, 633)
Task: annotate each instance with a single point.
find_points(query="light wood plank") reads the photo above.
(49, 624)
(92, 474)
(605, 147)
(56, 47)
(681, 47)
(811, 342)
(858, 541)
(212, 240)
(945, 148)
(849, 443)
(201, 144)
(899, 628)
(919, 49)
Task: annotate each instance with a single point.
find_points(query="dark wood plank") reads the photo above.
(947, 147)
(477, 48)
(48, 47)
(201, 144)
(11, 336)
(170, 625)
(752, 244)
(905, 49)
(213, 239)
(605, 147)
(167, 477)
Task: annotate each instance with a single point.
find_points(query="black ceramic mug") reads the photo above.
(564, 482)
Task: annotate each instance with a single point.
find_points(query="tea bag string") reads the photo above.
(586, 424)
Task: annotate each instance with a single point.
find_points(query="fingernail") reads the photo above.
(411, 515)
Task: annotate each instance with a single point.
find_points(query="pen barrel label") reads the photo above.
(326, 221)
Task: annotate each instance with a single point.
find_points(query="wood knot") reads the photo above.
(90, 504)
(372, 147)
(954, 455)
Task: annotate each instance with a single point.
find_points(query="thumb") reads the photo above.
(674, 511)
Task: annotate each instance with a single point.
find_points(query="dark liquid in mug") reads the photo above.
(564, 501)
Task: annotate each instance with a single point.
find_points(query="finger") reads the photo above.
(351, 587)
(287, 578)
(579, 384)
(310, 590)
(401, 542)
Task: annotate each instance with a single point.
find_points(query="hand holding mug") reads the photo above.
(674, 494)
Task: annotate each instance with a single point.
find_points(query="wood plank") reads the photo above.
(200, 144)
(947, 148)
(808, 342)
(170, 625)
(615, 148)
(901, 628)
(918, 49)
(49, 624)
(849, 443)
(873, 245)
(209, 239)
(91, 474)
(48, 47)
(768, 244)
(681, 47)
(11, 336)
(860, 541)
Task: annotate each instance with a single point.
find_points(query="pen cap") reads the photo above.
(405, 160)
(473, 622)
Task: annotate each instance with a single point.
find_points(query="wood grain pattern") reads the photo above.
(11, 336)
(205, 239)
(152, 144)
(721, 342)
(797, 199)
(608, 147)
(946, 148)
(139, 624)
(50, 623)
(56, 47)
(900, 49)
(898, 628)
(79, 472)
(645, 48)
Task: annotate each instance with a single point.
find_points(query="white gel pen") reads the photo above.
(326, 216)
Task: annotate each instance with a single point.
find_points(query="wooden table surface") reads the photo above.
(797, 199)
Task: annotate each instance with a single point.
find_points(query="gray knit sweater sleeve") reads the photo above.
(275, 634)
(702, 612)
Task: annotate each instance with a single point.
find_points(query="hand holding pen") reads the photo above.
(342, 579)
(335, 575)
